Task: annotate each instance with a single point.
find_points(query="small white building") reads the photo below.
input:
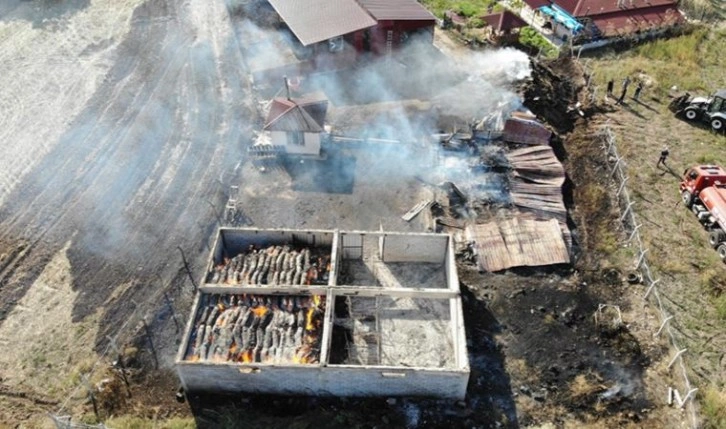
(296, 123)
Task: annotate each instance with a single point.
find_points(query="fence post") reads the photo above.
(186, 266)
(615, 167)
(87, 384)
(675, 358)
(650, 288)
(635, 231)
(662, 325)
(622, 186)
(627, 209)
(120, 362)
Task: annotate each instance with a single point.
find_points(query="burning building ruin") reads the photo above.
(320, 312)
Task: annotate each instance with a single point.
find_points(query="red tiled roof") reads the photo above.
(301, 114)
(400, 10)
(630, 21)
(504, 21)
(536, 4)
(580, 8)
(313, 21)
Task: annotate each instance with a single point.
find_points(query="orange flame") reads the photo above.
(309, 319)
(260, 311)
(316, 300)
(246, 357)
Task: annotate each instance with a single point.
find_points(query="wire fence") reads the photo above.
(682, 395)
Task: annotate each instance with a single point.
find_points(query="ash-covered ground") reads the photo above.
(124, 125)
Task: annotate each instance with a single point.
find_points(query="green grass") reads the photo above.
(713, 406)
(467, 8)
(128, 422)
(720, 304)
(692, 62)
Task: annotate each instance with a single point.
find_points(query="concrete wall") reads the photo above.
(316, 380)
(311, 144)
(231, 241)
(415, 248)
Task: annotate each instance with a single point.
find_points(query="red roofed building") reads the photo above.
(296, 124)
(377, 26)
(624, 17)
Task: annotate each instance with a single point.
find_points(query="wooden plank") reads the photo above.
(416, 210)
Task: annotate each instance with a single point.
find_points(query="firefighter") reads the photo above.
(663, 155)
(638, 89)
(611, 84)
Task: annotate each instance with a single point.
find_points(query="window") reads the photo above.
(295, 138)
(717, 105)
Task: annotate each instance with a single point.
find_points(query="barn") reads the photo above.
(350, 26)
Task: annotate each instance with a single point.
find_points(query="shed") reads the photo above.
(315, 21)
(296, 123)
(503, 25)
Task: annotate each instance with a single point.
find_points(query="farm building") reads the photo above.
(295, 124)
(601, 18)
(315, 312)
(377, 26)
(503, 27)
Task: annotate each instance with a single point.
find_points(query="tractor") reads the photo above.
(711, 110)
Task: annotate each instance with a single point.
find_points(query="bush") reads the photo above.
(467, 9)
(530, 37)
(476, 23)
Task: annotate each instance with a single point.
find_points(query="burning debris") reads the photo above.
(258, 329)
(273, 265)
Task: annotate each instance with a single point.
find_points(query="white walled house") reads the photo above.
(296, 123)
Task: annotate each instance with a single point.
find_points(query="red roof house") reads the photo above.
(296, 124)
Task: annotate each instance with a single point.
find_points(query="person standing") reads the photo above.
(663, 155)
(626, 82)
(638, 89)
(611, 84)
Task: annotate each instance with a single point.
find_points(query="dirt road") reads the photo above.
(120, 120)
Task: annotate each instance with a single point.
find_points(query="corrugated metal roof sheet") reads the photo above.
(518, 130)
(518, 241)
(536, 4)
(581, 8)
(629, 21)
(303, 114)
(399, 10)
(314, 21)
(504, 21)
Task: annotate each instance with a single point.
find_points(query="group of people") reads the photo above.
(638, 89)
(624, 90)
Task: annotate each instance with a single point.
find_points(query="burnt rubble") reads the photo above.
(273, 265)
(258, 329)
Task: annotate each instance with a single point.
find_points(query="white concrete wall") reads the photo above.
(311, 146)
(278, 138)
(316, 380)
(415, 248)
